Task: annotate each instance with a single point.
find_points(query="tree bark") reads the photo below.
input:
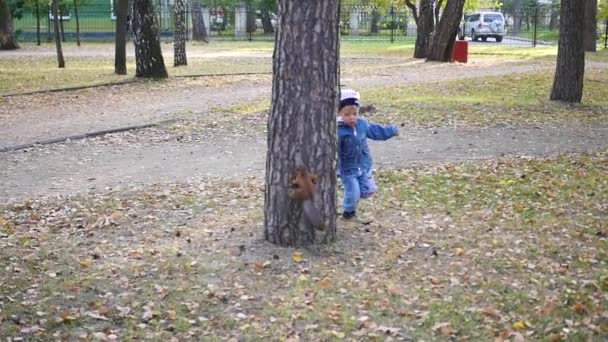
(199, 31)
(425, 26)
(179, 36)
(445, 34)
(554, 21)
(302, 122)
(8, 41)
(590, 25)
(374, 29)
(570, 68)
(146, 38)
(120, 52)
(56, 14)
(266, 21)
(77, 22)
(517, 16)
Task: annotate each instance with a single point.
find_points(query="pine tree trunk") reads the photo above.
(199, 32)
(266, 21)
(120, 52)
(146, 38)
(77, 23)
(179, 37)
(590, 25)
(570, 68)
(445, 34)
(8, 41)
(56, 14)
(302, 122)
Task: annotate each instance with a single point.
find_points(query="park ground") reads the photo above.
(490, 223)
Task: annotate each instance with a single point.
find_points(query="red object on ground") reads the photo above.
(460, 51)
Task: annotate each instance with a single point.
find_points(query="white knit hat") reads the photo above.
(348, 97)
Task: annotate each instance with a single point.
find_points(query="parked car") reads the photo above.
(485, 24)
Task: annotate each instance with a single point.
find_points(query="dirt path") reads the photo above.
(31, 118)
(128, 160)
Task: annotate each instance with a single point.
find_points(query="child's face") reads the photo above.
(349, 115)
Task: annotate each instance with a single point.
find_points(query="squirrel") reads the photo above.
(303, 189)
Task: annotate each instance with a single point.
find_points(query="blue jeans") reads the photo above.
(357, 187)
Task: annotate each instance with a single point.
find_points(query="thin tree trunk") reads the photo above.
(61, 26)
(179, 38)
(590, 25)
(374, 29)
(302, 122)
(77, 22)
(8, 41)
(37, 23)
(553, 21)
(146, 38)
(199, 31)
(56, 14)
(445, 34)
(425, 27)
(517, 16)
(120, 48)
(570, 68)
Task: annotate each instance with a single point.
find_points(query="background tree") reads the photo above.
(590, 25)
(120, 49)
(77, 22)
(570, 68)
(56, 15)
(199, 27)
(266, 7)
(443, 39)
(179, 35)
(302, 122)
(146, 38)
(8, 41)
(425, 23)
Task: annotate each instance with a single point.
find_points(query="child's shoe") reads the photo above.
(348, 215)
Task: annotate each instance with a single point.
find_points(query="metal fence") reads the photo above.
(528, 26)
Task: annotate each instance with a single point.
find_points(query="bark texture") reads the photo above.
(8, 41)
(425, 26)
(570, 68)
(77, 22)
(148, 55)
(120, 52)
(445, 34)
(591, 25)
(56, 15)
(302, 122)
(199, 31)
(179, 35)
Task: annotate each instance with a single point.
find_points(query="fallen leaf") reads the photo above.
(459, 251)
(519, 325)
(338, 334)
(171, 315)
(491, 312)
(324, 282)
(394, 290)
(297, 257)
(580, 308)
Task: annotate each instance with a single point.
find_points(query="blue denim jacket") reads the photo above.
(354, 156)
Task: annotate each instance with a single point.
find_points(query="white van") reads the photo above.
(485, 24)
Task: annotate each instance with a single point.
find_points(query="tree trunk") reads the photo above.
(445, 34)
(374, 30)
(266, 21)
(146, 38)
(302, 122)
(120, 52)
(250, 21)
(590, 25)
(570, 68)
(8, 41)
(199, 32)
(77, 22)
(37, 23)
(517, 16)
(56, 14)
(179, 36)
(553, 21)
(425, 26)
(61, 25)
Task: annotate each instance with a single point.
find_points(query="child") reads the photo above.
(354, 156)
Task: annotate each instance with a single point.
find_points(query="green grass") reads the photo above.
(509, 99)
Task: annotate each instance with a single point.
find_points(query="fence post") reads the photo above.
(535, 24)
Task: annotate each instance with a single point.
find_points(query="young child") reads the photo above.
(354, 156)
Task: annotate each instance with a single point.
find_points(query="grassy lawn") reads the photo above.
(503, 249)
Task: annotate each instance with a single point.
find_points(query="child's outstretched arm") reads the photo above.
(381, 132)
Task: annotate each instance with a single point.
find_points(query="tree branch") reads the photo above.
(409, 4)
